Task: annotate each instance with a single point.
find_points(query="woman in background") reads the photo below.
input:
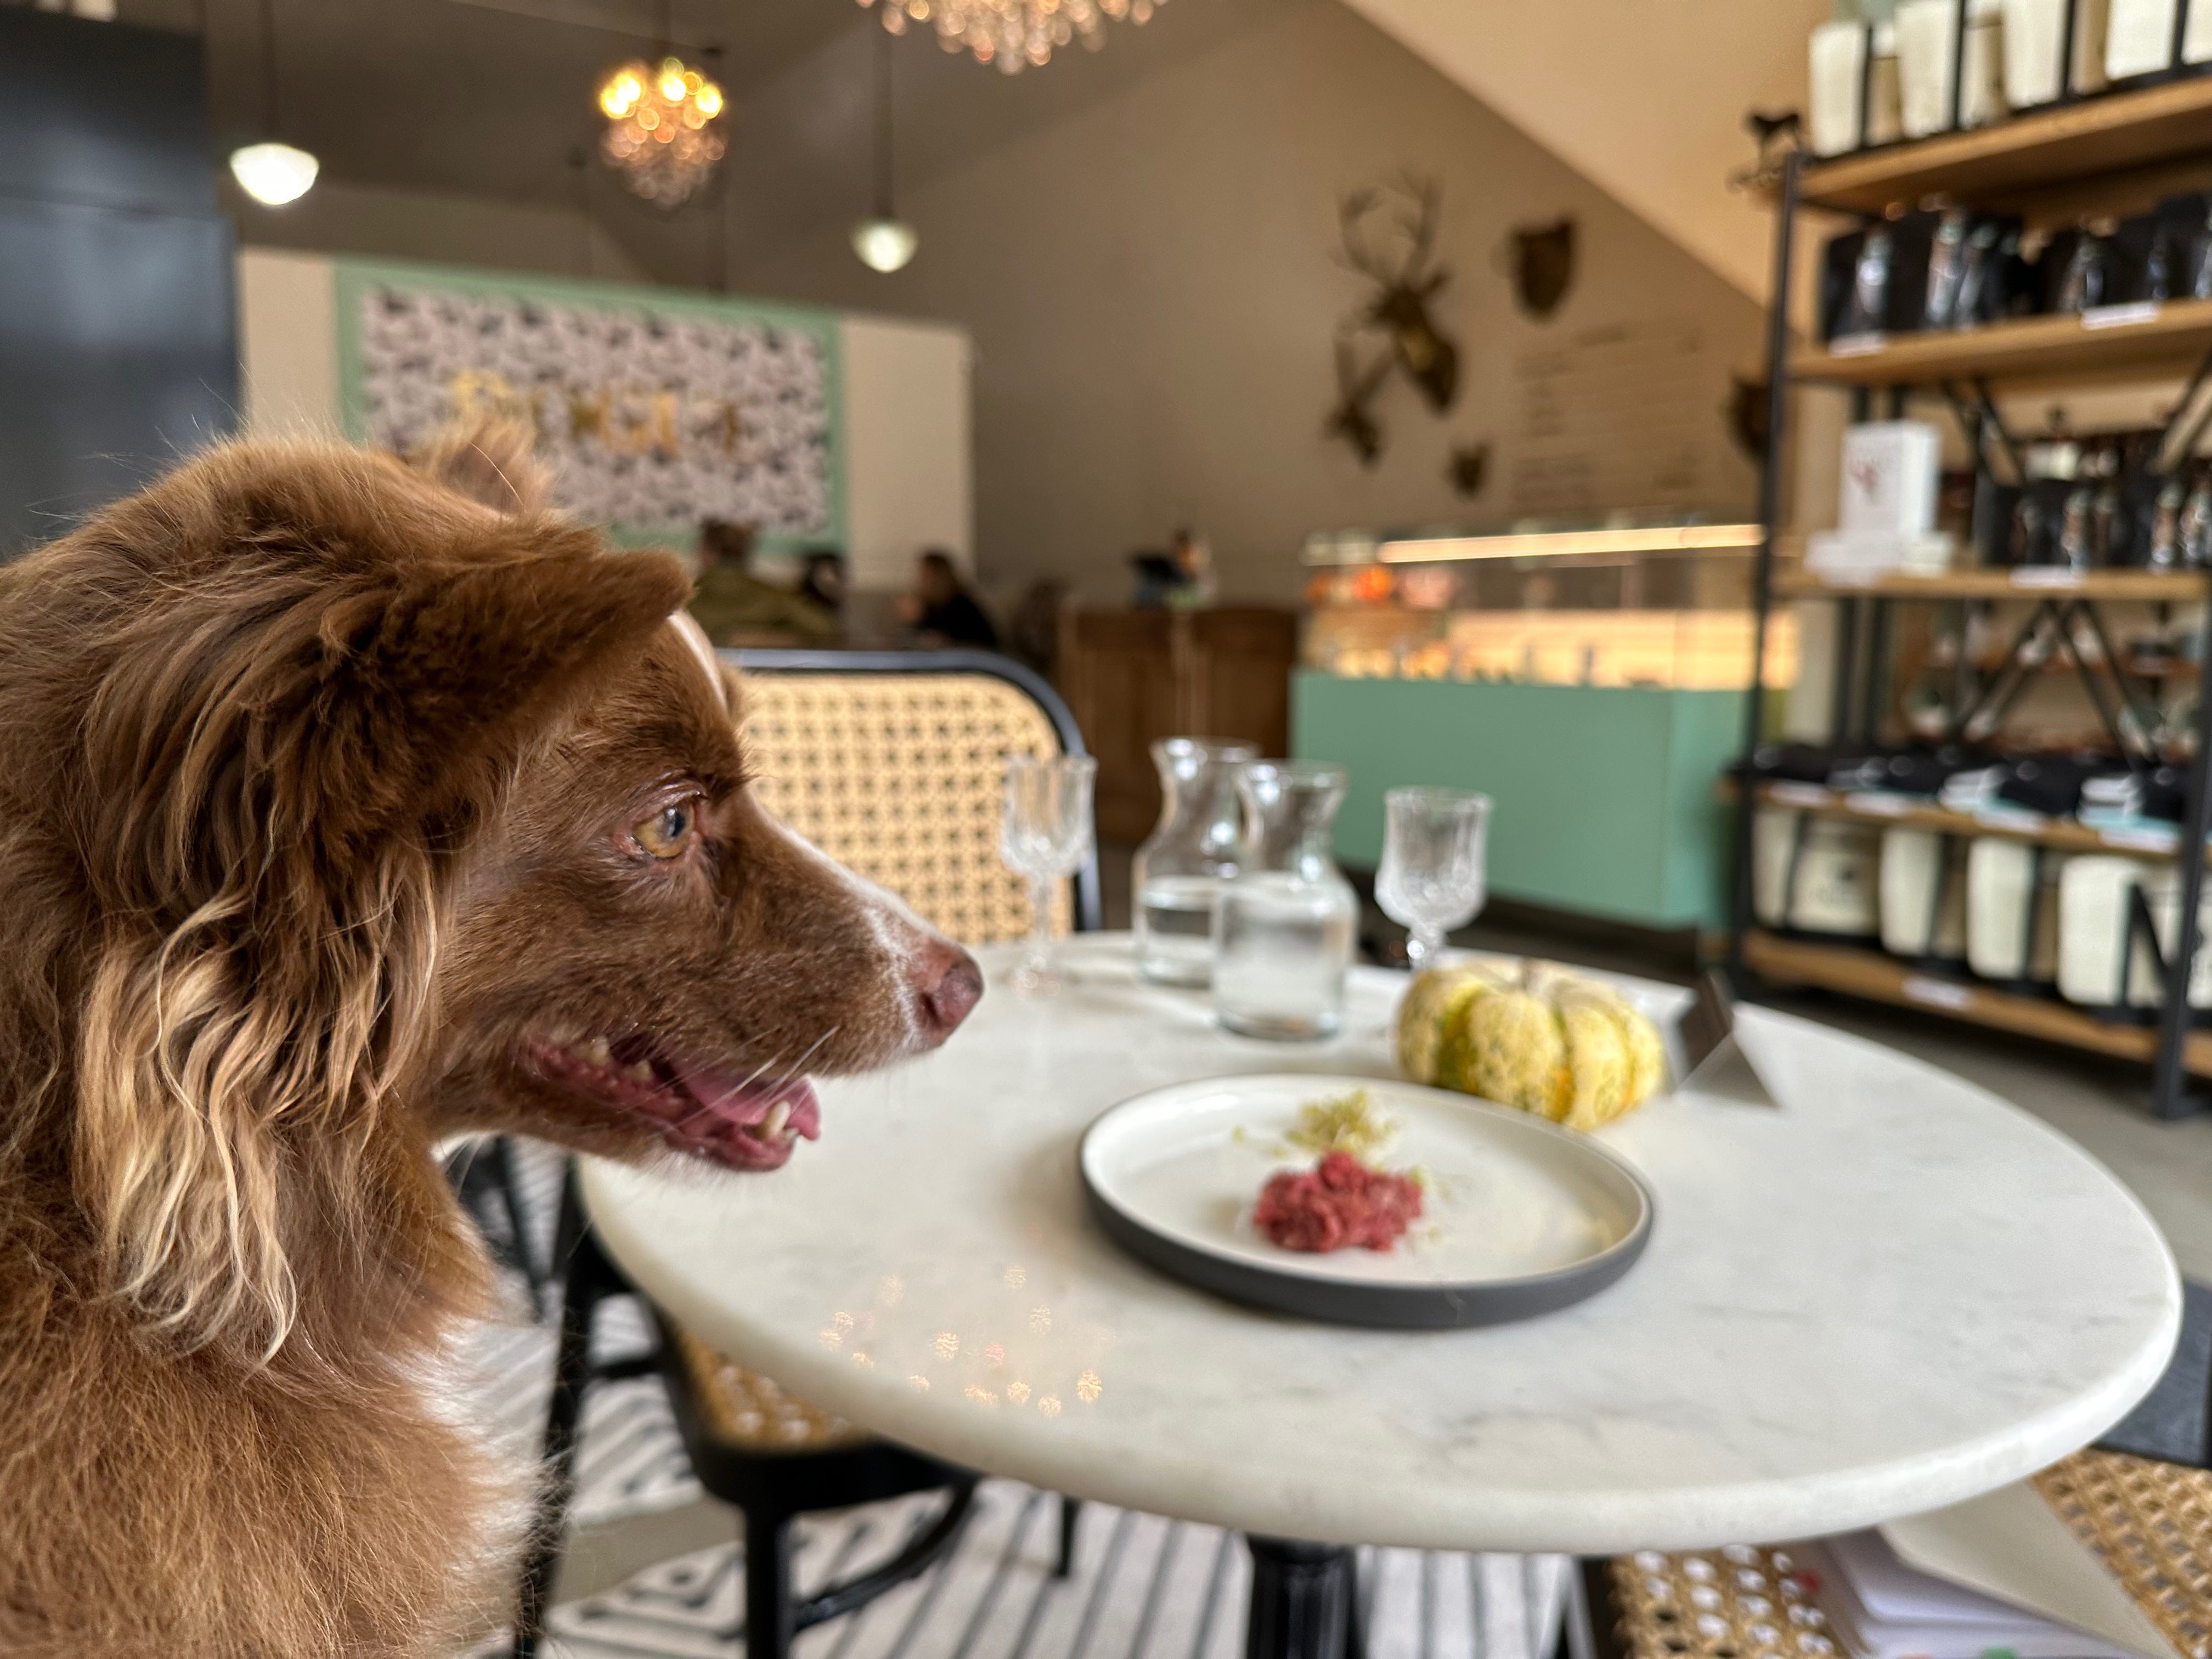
(823, 580)
(941, 611)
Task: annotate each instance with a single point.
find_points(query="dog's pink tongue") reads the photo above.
(744, 1098)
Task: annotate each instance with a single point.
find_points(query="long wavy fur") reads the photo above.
(249, 722)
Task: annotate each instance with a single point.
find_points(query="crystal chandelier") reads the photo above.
(660, 133)
(1013, 33)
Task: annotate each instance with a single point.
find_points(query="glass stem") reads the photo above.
(1040, 957)
(1421, 946)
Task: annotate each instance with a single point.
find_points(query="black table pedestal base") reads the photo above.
(1303, 1603)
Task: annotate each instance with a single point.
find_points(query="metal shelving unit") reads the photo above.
(2056, 163)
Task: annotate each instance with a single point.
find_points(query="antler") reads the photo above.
(1349, 212)
(1429, 192)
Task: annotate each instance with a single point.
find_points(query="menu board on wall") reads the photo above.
(654, 411)
(1622, 415)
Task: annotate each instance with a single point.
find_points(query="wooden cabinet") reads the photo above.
(1135, 676)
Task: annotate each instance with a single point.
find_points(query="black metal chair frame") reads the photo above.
(771, 1489)
(484, 1175)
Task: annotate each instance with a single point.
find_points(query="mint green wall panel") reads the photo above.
(1605, 800)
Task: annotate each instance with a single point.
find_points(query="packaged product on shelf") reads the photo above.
(1855, 271)
(1891, 470)
(2104, 962)
(1992, 281)
(1835, 87)
(1884, 91)
(2073, 271)
(1923, 895)
(2049, 784)
(2035, 49)
(1891, 475)
(1854, 100)
(2012, 910)
(2104, 959)
(2162, 891)
(2139, 38)
(1815, 875)
(2187, 219)
(1951, 268)
(1938, 92)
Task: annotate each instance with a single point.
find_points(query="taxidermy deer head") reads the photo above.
(1403, 291)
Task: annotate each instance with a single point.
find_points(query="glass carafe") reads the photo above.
(1284, 939)
(1178, 872)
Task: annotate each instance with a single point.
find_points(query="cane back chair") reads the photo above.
(893, 763)
(2149, 1522)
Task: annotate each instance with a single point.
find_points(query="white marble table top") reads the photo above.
(1893, 1293)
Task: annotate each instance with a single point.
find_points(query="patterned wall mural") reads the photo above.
(654, 412)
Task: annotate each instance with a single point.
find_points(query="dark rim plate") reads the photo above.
(1294, 1287)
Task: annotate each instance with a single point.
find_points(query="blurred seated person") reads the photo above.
(822, 579)
(942, 612)
(737, 607)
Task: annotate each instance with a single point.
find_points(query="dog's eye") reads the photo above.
(667, 832)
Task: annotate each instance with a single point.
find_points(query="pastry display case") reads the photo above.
(1590, 677)
(1658, 606)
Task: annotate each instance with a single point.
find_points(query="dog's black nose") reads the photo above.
(950, 987)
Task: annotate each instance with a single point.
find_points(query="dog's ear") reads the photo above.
(420, 698)
(490, 461)
(277, 808)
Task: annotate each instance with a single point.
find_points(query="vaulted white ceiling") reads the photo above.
(1645, 97)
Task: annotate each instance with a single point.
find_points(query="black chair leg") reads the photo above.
(572, 1375)
(771, 1618)
(1071, 1511)
(509, 1171)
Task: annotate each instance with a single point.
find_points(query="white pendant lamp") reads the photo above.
(883, 240)
(273, 174)
(270, 171)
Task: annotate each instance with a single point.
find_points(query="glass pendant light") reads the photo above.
(271, 171)
(883, 240)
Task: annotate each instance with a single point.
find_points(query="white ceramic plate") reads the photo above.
(1519, 1217)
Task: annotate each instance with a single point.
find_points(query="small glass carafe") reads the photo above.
(1178, 872)
(1285, 936)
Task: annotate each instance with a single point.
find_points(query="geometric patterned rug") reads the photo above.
(1142, 1588)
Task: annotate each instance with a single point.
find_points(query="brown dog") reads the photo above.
(343, 806)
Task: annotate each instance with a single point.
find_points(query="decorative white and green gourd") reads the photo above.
(1532, 1036)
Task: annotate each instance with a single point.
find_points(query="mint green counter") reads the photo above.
(1604, 795)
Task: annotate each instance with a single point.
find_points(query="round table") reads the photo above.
(1892, 1293)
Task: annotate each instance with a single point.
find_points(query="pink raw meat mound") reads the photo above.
(1339, 1203)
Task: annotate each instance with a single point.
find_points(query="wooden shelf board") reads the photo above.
(2063, 833)
(2179, 587)
(1882, 978)
(2044, 351)
(1990, 167)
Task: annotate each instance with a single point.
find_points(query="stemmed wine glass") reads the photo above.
(1045, 836)
(1430, 878)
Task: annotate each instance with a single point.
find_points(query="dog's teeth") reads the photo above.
(777, 1120)
(598, 1053)
(639, 1072)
